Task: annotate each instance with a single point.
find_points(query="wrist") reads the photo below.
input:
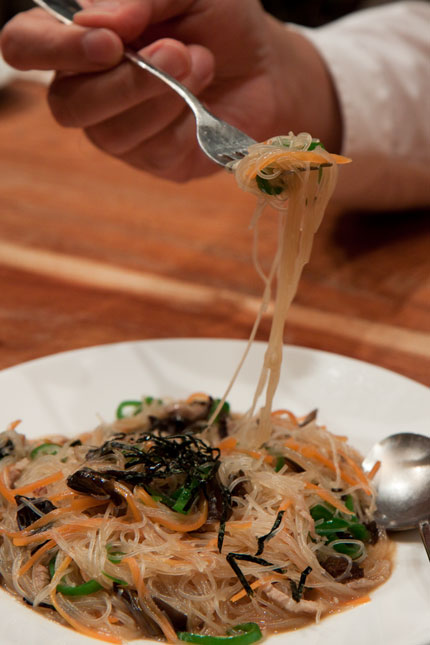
(305, 93)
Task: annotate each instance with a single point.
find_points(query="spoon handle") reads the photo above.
(424, 528)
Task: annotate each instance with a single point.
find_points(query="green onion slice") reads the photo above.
(267, 187)
(322, 512)
(280, 463)
(242, 634)
(114, 556)
(348, 548)
(118, 581)
(92, 586)
(136, 407)
(225, 410)
(45, 449)
(316, 143)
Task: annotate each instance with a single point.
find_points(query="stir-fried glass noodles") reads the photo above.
(181, 520)
(296, 176)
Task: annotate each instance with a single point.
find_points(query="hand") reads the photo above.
(249, 69)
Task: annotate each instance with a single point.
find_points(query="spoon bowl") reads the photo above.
(402, 483)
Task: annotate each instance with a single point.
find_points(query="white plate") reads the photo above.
(6, 73)
(65, 393)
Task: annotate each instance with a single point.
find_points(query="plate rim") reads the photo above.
(286, 346)
(312, 631)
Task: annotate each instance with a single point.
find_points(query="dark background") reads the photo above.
(303, 12)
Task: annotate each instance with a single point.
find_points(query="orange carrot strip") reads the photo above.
(145, 497)
(233, 527)
(84, 436)
(31, 539)
(135, 573)
(45, 481)
(295, 158)
(13, 424)
(328, 497)
(254, 585)
(285, 504)
(358, 471)
(60, 497)
(35, 557)
(340, 159)
(375, 468)
(76, 506)
(288, 413)
(64, 529)
(122, 490)
(5, 491)
(310, 452)
(185, 526)
(80, 627)
(61, 569)
(227, 445)
(268, 459)
(84, 503)
(198, 396)
(212, 543)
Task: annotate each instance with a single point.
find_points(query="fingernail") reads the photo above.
(171, 61)
(101, 46)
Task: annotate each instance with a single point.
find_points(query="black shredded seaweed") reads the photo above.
(298, 589)
(264, 538)
(231, 559)
(225, 514)
(172, 424)
(151, 460)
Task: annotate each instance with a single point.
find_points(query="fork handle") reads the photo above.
(64, 10)
(180, 89)
(424, 529)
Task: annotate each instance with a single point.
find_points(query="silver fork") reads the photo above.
(219, 140)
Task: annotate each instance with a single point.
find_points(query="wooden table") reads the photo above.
(92, 251)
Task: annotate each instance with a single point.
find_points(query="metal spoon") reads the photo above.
(402, 483)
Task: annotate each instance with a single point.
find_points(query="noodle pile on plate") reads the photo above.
(181, 520)
(160, 523)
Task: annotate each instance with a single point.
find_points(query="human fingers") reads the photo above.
(82, 101)
(35, 40)
(173, 153)
(131, 128)
(129, 18)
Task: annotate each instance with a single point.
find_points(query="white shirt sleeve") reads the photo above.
(379, 60)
